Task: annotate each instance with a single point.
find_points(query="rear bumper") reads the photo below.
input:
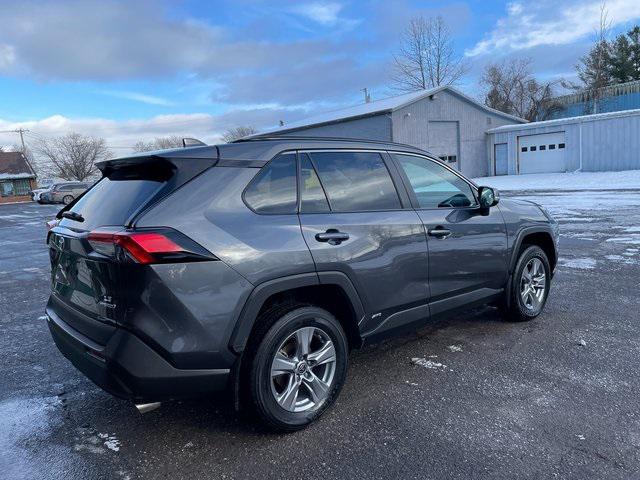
(128, 368)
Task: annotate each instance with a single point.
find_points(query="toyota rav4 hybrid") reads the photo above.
(256, 266)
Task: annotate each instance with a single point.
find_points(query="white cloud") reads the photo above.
(138, 97)
(551, 23)
(121, 135)
(323, 13)
(7, 56)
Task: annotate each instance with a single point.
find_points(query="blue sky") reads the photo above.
(130, 70)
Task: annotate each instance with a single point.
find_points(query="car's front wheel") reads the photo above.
(529, 286)
(298, 368)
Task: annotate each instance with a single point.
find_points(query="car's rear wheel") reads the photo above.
(529, 286)
(298, 367)
(67, 199)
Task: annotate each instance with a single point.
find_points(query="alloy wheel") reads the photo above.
(533, 284)
(303, 370)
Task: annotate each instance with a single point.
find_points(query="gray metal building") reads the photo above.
(442, 120)
(590, 143)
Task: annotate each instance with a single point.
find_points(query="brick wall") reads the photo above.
(15, 199)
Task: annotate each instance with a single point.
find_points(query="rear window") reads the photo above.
(112, 202)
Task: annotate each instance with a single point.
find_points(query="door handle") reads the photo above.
(439, 232)
(332, 237)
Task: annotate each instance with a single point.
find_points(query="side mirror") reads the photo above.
(488, 197)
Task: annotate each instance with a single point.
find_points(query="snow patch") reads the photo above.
(565, 181)
(628, 240)
(579, 263)
(430, 364)
(455, 348)
(91, 441)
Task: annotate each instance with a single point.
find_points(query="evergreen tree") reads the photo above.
(621, 66)
(634, 41)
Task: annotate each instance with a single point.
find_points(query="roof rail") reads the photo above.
(318, 139)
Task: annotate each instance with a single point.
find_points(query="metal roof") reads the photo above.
(565, 121)
(378, 107)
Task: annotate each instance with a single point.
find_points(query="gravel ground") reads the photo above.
(556, 397)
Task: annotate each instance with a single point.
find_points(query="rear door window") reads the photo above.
(274, 189)
(356, 181)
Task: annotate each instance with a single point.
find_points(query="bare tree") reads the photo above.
(426, 57)
(237, 132)
(594, 69)
(511, 88)
(158, 143)
(72, 156)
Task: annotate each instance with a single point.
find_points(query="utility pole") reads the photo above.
(22, 131)
(367, 95)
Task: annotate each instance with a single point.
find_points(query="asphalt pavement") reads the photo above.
(553, 398)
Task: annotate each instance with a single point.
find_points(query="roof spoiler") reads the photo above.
(186, 162)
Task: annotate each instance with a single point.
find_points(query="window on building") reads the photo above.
(21, 187)
(452, 158)
(543, 147)
(356, 181)
(525, 149)
(274, 189)
(312, 197)
(561, 145)
(533, 149)
(434, 185)
(552, 146)
(6, 188)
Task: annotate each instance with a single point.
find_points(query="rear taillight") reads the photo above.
(147, 246)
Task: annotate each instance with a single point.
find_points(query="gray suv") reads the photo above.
(255, 267)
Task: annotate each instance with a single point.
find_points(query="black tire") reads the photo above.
(67, 199)
(275, 327)
(513, 307)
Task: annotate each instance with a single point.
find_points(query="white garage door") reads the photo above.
(443, 141)
(542, 153)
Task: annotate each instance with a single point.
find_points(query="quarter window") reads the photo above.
(434, 185)
(356, 181)
(274, 189)
(312, 198)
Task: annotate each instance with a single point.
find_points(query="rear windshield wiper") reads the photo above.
(73, 216)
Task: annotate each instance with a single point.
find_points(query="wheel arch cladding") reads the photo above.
(539, 237)
(331, 291)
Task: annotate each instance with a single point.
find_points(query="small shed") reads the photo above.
(17, 178)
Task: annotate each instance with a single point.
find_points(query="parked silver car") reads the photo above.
(64, 192)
